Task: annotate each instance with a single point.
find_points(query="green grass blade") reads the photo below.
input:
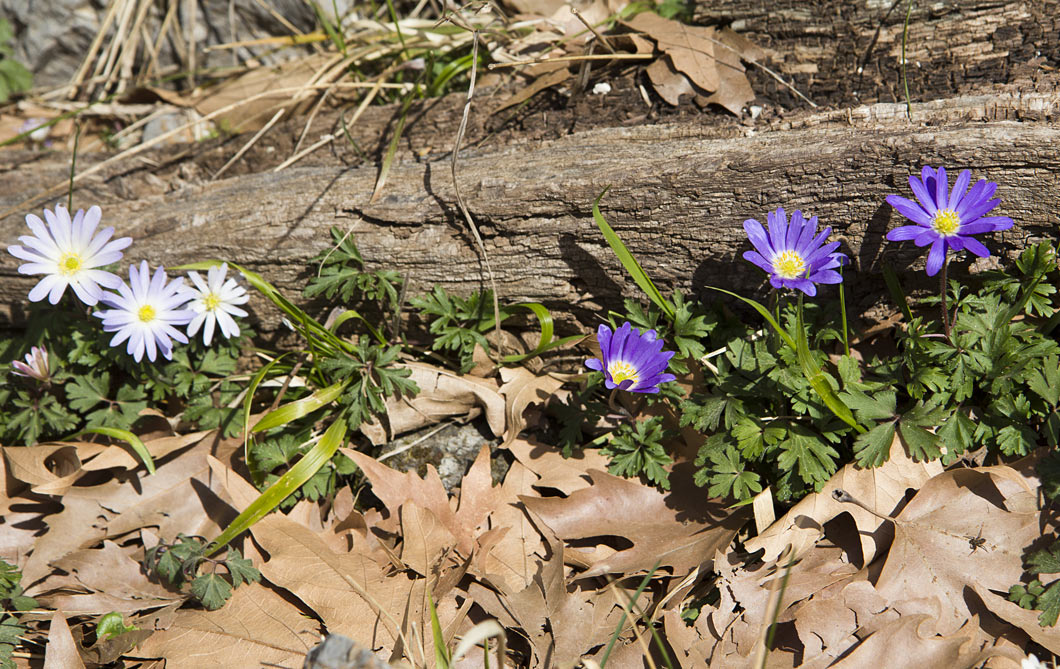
(441, 653)
(760, 308)
(299, 408)
(295, 477)
(129, 438)
(248, 400)
(352, 313)
(626, 610)
(630, 263)
(546, 343)
(897, 294)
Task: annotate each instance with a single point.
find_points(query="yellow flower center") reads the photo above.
(946, 222)
(622, 371)
(211, 302)
(789, 265)
(69, 263)
(146, 313)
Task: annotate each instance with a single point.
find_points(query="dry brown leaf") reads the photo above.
(111, 581)
(556, 471)
(177, 498)
(734, 90)
(505, 555)
(668, 82)
(443, 394)
(255, 625)
(881, 488)
(477, 494)
(50, 469)
(424, 540)
(61, 651)
(690, 48)
(680, 529)
(932, 557)
(349, 591)
(1048, 637)
(522, 388)
(910, 642)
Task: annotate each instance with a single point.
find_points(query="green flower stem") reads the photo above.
(942, 295)
(843, 313)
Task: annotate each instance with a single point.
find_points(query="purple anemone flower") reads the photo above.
(630, 360)
(947, 219)
(792, 254)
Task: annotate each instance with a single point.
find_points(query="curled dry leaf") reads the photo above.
(522, 388)
(442, 394)
(690, 48)
(881, 489)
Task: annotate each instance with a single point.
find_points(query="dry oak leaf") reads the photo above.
(679, 529)
(566, 474)
(256, 627)
(61, 651)
(932, 557)
(442, 394)
(521, 388)
(504, 558)
(691, 48)
(881, 489)
(910, 642)
(179, 497)
(734, 90)
(110, 580)
(478, 496)
(1026, 620)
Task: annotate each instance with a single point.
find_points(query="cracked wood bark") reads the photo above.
(678, 199)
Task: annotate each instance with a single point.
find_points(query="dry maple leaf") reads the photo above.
(690, 48)
(680, 529)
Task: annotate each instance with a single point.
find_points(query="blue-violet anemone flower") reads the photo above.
(147, 311)
(630, 360)
(947, 219)
(69, 253)
(794, 255)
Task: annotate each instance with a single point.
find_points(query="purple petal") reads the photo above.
(757, 259)
(936, 256)
(942, 187)
(757, 234)
(959, 188)
(999, 223)
(911, 210)
(921, 192)
(905, 233)
(926, 236)
(976, 247)
(778, 229)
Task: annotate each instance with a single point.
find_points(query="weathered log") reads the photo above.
(678, 196)
(846, 52)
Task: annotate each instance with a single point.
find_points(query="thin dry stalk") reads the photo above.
(460, 199)
(572, 59)
(246, 147)
(93, 49)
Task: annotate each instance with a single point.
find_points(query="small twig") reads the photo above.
(305, 152)
(905, 79)
(460, 198)
(600, 38)
(844, 497)
(780, 80)
(402, 449)
(246, 147)
(572, 59)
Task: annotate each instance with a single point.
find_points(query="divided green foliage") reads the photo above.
(459, 324)
(12, 601)
(638, 449)
(185, 561)
(342, 277)
(1035, 595)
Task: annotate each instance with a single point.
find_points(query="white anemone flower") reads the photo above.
(68, 253)
(214, 302)
(36, 365)
(147, 311)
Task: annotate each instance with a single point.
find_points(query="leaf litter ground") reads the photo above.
(906, 561)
